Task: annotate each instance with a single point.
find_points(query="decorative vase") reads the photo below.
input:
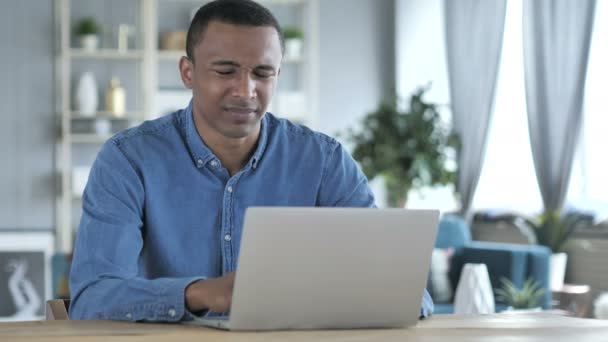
(86, 95)
(115, 98)
(103, 126)
(293, 48)
(557, 270)
(474, 294)
(89, 42)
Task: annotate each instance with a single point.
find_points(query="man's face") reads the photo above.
(233, 76)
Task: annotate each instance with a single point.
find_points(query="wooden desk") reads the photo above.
(536, 327)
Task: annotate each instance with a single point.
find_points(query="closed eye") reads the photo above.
(224, 72)
(263, 74)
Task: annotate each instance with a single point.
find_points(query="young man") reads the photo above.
(164, 206)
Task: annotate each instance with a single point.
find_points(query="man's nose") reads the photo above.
(244, 87)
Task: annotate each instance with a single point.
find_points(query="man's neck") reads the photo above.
(233, 153)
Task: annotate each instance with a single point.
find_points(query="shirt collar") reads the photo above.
(201, 154)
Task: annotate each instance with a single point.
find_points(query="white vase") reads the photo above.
(103, 126)
(557, 270)
(293, 48)
(86, 99)
(89, 42)
(474, 294)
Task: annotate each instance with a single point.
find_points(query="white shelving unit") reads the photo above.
(146, 59)
(67, 55)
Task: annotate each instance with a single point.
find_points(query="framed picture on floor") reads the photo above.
(25, 274)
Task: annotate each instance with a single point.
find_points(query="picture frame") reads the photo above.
(25, 274)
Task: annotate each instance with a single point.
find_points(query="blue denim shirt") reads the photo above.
(160, 211)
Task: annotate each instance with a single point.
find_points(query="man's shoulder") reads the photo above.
(165, 127)
(298, 134)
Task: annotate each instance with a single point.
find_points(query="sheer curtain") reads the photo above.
(557, 34)
(474, 35)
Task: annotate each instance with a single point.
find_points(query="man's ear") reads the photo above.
(186, 71)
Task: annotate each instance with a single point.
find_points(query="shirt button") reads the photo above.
(229, 189)
(214, 163)
(199, 162)
(172, 313)
(227, 237)
(129, 316)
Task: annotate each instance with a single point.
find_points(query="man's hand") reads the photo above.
(214, 294)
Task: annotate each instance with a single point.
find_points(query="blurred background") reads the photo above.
(492, 111)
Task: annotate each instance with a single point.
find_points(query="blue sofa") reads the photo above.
(513, 261)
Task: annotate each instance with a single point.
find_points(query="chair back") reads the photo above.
(453, 232)
(57, 309)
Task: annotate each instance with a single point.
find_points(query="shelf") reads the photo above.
(89, 138)
(175, 55)
(268, 2)
(170, 55)
(106, 54)
(282, 2)
(105, 115)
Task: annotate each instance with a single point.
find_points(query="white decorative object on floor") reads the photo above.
(557, 270)
(601, 306)
(86, 95)
(474, 294)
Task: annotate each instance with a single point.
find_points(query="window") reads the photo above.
(589, 183)
(508, 178)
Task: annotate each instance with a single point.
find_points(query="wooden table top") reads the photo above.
(512, 327)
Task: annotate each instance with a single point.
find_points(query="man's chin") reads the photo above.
(241, 131)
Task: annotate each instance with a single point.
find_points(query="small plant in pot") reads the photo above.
(553, 228)
(520, 299)
(293, 37)
(87, 31)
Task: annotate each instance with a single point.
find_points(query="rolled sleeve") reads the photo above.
(343, 183)
(104, 280)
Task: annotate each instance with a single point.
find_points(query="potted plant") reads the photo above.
(293, 37)
(87, 31)
(410, 149)
(553, 229)
(520, 299)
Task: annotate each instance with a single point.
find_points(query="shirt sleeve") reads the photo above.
(104, 279)
(427, 306)
(343, 183)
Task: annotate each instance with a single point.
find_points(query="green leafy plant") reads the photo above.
(525, 298)
(409, 149)
(85, 26)
(553, 228)
(292, 32)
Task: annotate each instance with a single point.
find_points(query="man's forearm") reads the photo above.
(137, 299)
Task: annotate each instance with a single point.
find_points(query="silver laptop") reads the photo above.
(330, 268)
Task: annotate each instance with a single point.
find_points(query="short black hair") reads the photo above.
(238, 12)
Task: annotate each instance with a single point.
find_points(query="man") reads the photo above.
(164, 205)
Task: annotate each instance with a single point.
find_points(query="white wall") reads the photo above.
(420, 48)
(357, 63)
(357, 59)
